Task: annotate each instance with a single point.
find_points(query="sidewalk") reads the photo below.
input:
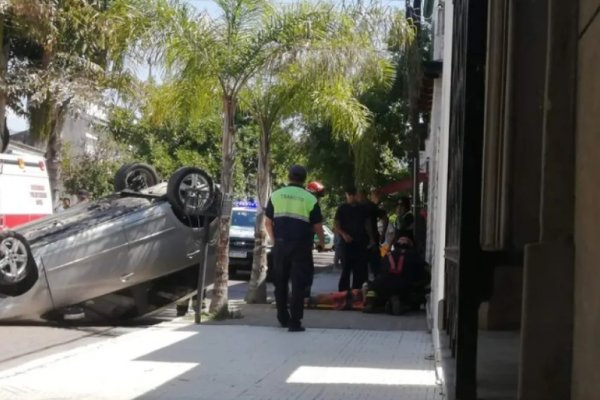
(265, 314)
(243, 359)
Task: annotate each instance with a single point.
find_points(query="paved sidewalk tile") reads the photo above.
(181, 361)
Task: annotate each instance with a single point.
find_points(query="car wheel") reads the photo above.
(119, 181)
(18, 271)
(190, 191)
(136, 176)
(4, 138)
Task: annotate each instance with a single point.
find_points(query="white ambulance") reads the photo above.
(24, 188)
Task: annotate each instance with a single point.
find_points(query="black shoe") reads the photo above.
(296, 328)
(284, 319)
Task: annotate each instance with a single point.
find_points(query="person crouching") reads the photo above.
(402, 284)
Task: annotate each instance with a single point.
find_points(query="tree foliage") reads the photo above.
(62, 57)
(92, 171)
(170, 144)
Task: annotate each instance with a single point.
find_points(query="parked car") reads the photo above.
(329, 238)
(122, 256)
(242, 238)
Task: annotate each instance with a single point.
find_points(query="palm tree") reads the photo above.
(321, 83)
(220, 56)
(67, 54)
(19, 25)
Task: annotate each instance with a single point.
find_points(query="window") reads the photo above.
(245, 219)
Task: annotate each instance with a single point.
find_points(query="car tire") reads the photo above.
(190, 191)
(119, 181)
(4, 138)
(135, 176)
(18, 270)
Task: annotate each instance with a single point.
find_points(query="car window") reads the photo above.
(246, 219)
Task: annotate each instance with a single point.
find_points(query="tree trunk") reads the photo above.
(3, 69)
(218, 304)
(257, 290)
(53, 153)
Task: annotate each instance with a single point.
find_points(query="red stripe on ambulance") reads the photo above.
(12, 221)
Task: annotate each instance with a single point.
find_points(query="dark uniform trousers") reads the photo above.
(292, 260)
(354, 263)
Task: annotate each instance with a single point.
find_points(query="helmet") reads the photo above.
(316, 188)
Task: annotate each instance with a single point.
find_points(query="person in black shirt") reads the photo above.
(375, 215)
(352, 223)
(318, 190)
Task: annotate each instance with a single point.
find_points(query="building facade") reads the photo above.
(81, 133)
(513, 230)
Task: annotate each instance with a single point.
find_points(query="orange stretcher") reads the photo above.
(349, 300)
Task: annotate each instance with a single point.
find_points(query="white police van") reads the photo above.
(242, 237)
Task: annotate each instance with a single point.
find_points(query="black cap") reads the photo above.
(297, 173)
(83, 192)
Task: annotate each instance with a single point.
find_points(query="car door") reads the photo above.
(158, 243)
(86, 261)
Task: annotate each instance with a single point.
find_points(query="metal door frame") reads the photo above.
(463, 257)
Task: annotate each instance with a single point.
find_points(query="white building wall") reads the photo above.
(81, 133)
(438, 150)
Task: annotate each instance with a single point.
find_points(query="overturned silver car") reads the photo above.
(122, 256)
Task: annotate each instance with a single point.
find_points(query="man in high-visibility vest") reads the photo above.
(293, 216)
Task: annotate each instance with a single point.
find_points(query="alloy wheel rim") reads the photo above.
(194, 193)
(13, 259)
(138, 179)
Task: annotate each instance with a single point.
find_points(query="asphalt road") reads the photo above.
(28, 341)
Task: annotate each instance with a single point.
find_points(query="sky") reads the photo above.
(16, 124)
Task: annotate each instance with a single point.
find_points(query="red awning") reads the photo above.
(404, 185)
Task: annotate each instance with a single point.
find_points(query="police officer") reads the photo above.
(293, 216)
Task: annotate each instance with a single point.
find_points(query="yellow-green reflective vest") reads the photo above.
(293, 202)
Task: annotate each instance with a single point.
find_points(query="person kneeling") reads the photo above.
(401, 284)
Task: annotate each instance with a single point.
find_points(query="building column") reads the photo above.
(547, 321)
(586, 351)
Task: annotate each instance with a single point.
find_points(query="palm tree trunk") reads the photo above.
(4, 49)
(218, 304)
(257, 290)
(53, 152)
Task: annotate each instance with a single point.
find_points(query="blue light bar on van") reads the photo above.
(244, 204)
